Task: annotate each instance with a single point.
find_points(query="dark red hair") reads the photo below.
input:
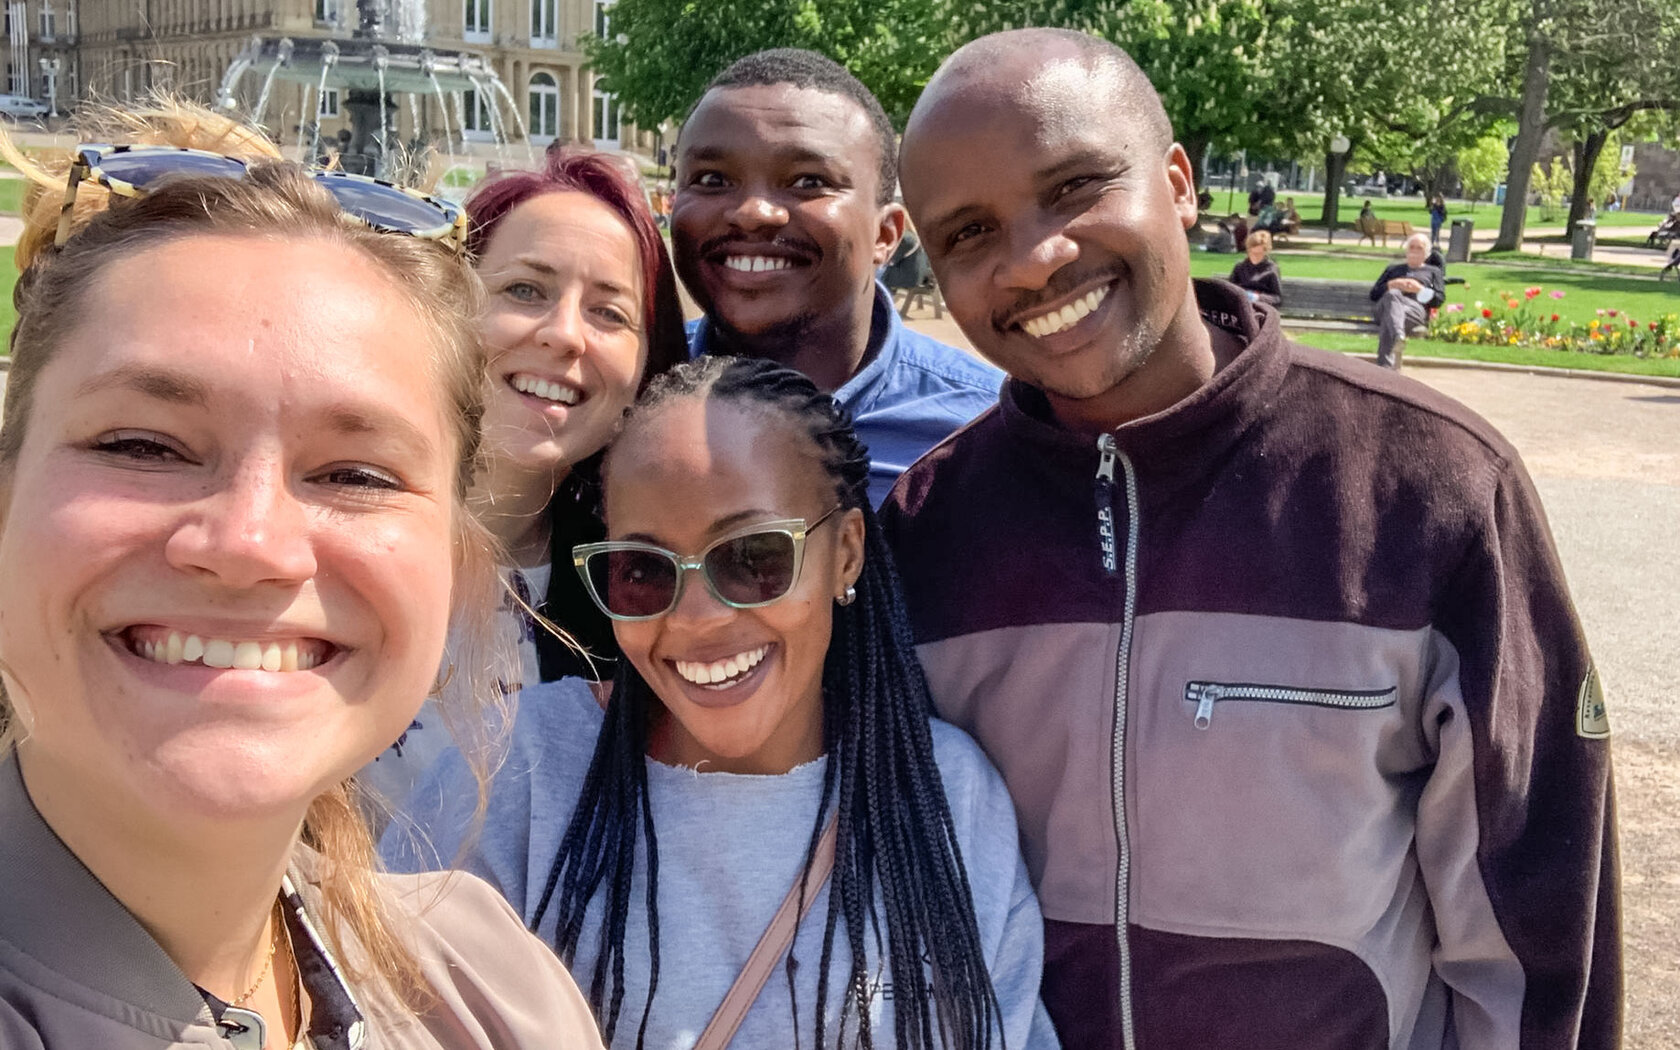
(582, 170)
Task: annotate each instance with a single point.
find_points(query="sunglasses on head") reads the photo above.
(748, 568)
(134, 171)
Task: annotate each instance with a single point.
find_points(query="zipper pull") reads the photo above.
(1206, 696)
(1108, 449)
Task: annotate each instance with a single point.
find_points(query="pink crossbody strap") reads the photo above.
(770, 948)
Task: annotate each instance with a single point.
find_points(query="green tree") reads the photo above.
(1481, 164)
(1210, 62)
(1398, 86)
(1586, 67)
(660, 54)
(1550, 182)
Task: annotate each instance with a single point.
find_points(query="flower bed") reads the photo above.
(1526, 321)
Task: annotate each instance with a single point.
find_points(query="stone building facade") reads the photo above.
(1657, 176)
(122, 49)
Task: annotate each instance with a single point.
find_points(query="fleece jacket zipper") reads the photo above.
(1108, 455)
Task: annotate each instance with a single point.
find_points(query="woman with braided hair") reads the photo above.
(771, 719)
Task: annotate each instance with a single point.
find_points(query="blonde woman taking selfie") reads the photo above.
(236, 444)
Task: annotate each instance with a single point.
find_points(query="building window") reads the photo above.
(545, 21)
(49, 22)
(476, 21)
(70, 19)
(474, 115)
(545, 107)
(606, 119)
(329, 103)
(601, 18)
(329, 12)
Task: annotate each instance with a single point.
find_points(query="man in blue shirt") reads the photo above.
(782, 215)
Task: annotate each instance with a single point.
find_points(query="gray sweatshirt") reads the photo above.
(730, 847)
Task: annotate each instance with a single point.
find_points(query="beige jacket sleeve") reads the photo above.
(498, 987)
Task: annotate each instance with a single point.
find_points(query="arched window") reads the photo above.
(606, 129)
(545, 23)
(545, 107)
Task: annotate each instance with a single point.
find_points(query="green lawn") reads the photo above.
(1359, 343)
(11, 195)
(1585, 292)
(1416, 211)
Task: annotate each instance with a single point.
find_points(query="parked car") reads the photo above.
(18, 107)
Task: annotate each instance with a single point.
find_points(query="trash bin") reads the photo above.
(1458, 244)
(1581, 246)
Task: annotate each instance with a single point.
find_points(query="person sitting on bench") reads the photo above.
(1404, 295)
(1258, 274)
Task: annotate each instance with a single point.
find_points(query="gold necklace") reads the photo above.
(268, 964)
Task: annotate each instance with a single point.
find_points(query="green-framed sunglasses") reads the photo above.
(752, 566)
(132, 171)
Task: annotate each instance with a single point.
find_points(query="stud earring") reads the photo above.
(849, 597)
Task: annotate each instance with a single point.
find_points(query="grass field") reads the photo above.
(1585, 292)
(1416, 211)
(1360, 343)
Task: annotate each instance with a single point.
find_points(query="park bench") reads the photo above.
(1373, 227)
(1317, 300)
(911, 274)
(1314, 302)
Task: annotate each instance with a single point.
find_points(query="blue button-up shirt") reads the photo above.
(908, 398)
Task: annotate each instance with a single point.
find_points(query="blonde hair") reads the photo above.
(280, 200)
(1259, 238)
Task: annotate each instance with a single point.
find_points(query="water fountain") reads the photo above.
(384, 56)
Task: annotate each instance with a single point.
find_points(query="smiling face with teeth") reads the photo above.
(1062, 255)
(742, 688)
(777, 226)
(227, 537)
(564, 326)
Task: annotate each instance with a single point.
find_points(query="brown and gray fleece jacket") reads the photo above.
(1301, 728)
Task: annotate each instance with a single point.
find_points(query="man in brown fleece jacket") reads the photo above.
(1271, 646)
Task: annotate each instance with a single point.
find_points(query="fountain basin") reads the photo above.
(407, 68)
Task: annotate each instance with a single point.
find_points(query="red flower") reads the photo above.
(1653, 326)
(1531, 293)
(1486, 312)
(1554, 318)
(1632, 323)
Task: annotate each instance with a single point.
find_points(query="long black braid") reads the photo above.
(896, 840)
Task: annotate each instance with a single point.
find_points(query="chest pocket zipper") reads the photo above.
(1206, 694)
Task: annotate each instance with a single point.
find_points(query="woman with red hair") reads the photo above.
(582, 312)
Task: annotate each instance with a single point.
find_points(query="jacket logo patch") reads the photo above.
(1105, 535)
(1591, 720)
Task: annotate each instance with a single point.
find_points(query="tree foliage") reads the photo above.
(1482, 164)
(1588, 67)
(660, 54)
(1275, 77)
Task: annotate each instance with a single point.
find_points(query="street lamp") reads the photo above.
(1339, 145)
(49, 72)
